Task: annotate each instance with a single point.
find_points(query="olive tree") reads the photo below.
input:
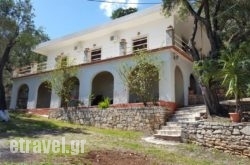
(18, 35)
(62, 79)
(142, 78)
(225, 23)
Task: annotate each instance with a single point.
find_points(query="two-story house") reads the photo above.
(101, 50)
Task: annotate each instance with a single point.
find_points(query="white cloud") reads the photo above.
(110, 7)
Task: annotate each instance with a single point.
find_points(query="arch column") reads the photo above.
(186, 85)
(55, 100)
(121, 93)
(166, 83)
(32, 98)
(85, 86)
(14, 92)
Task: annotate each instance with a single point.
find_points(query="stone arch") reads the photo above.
(22, 96)
(102, 86)
(179, 87)
(152, 85)
(44, 95)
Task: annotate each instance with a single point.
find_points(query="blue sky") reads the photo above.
(62, 17)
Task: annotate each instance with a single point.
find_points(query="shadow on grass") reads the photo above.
(22, 125)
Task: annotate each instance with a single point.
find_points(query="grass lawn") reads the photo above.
(103, 146)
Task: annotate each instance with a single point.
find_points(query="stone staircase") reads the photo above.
(172, 130)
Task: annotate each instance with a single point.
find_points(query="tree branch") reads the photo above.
(194, 50)
(238, 36)
(215, 15)
(192, 11)
(6, 53)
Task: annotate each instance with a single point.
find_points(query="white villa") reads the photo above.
(100, 51)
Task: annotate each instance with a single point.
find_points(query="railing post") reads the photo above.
(33, 67)
(86, 57)
(15, 72)
(170, 34)
(123, 46)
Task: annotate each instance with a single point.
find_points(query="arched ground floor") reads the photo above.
(102, 79)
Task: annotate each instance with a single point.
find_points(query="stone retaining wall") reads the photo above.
(145, 119)
(234, 138)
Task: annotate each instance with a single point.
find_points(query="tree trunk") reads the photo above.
(2, 94)
(207, 20)
(3, 61)
(211, 101)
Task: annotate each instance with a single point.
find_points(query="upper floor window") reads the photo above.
(140, 43)
(96, 54)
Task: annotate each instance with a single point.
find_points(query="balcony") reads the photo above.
(30, 69)
(170, 42)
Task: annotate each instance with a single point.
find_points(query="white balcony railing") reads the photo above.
(35, 68)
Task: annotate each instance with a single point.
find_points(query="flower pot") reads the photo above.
(234, 117)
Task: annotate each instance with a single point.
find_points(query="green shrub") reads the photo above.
(248, 90)
(104, 104)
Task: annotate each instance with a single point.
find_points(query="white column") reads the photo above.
(85, 86)
(121, 93)
(186, 85)
(166, 84)
(32, 97)
(55, 101)
(14, 92)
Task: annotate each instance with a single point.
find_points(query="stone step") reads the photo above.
(172, 131)
(186, 115)
(168, 137)
(192, 108)
(187, 112)
(182, 119)
(172, 124)
(152, 139)
(169, 132)
(171, 127)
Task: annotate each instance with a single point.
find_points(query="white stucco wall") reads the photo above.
(183, 27)
(86, 74)
(153, 26)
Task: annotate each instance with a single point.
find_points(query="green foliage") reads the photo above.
(225, 23)
(120, 12)
(248, 90)
(63, 80)
(170, 5)
(91, 98)
(104, 104)
(142, 77)
(18, 35)
(206, 70)
(75, 103)
(234, 22)
(235, 71)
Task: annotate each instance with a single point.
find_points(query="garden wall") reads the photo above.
(145, 119)
(234, 138)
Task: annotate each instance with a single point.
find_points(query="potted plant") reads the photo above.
(235, 74)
